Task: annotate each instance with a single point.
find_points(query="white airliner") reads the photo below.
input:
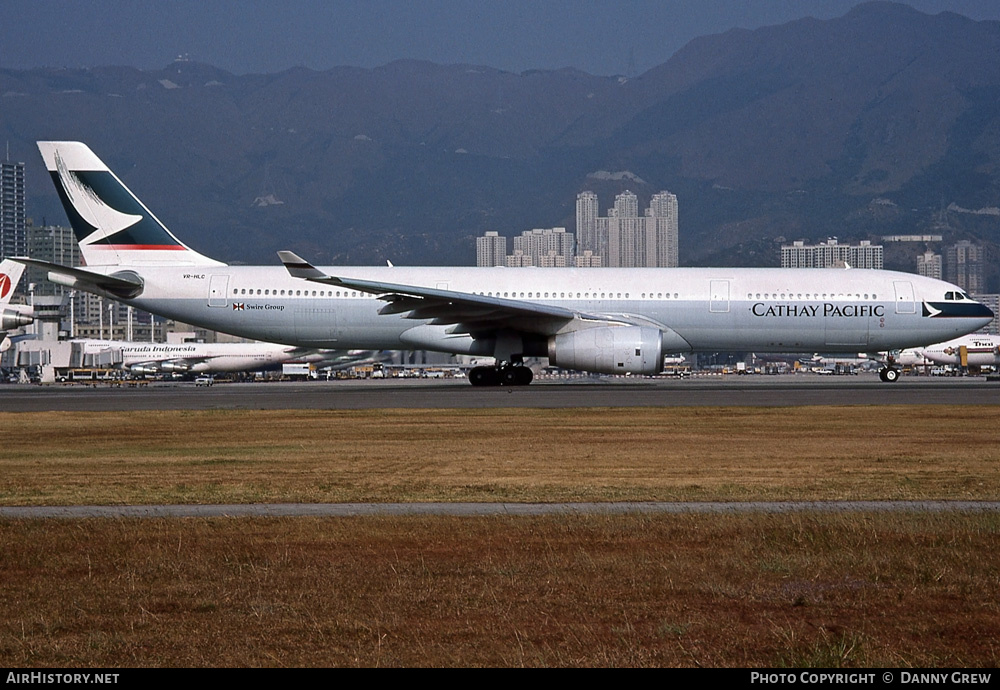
(193, 358)
(11, 315)
(609, 320)
(976, 350)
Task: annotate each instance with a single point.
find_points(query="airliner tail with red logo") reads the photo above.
(11, 315)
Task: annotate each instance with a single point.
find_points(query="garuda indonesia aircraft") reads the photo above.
(608, 320)
(195, 358)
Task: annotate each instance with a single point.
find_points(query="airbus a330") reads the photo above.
(606, 320)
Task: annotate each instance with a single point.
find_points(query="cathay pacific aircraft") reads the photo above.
(607, 320)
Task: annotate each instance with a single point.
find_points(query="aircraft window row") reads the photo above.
(297, 293)
(816, 295)
(556, 295)
(578, 295)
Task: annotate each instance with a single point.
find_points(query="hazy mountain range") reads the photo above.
(873, 123)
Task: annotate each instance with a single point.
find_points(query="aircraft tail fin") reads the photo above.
(10, 276)
(112, 226)
(11, 316)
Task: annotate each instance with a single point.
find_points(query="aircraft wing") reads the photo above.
(464, 311)
(123, 285)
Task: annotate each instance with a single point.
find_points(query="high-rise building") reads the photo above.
(963, 266)
(626, 239)
(831, 254)
(662, 227)
(13, 223)
(55, 244)
(929, 264)
(587, 238)
(491, 249)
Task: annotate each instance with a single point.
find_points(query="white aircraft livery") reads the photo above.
(606, 320)
(194, 358)
(11, 315)
(977, 350)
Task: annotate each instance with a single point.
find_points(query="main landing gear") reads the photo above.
(506, 375)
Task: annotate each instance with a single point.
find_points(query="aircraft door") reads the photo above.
(218, 291)
(905, 303)
(719, 296)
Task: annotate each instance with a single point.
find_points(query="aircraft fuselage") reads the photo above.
(772, 310)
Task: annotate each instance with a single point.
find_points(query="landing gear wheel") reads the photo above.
(515, 376)
(484, 376)
(888, 374)
(504, 376)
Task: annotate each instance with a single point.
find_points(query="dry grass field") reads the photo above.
(805, 453)
(754, 590)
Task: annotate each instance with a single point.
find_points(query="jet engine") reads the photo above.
(175, 367)
(609, 350)
(145, 368)
(9, 320)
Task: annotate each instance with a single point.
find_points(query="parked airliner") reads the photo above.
(608, 320)
(11, 315)
(194, 358)
(976, 350)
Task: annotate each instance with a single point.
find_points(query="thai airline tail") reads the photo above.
(607, 320)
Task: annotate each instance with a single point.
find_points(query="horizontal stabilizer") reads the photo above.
(120, 285)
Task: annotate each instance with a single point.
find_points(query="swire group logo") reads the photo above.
(4, 285)
(239, 306)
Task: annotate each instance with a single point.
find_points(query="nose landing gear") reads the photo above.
(889, 373)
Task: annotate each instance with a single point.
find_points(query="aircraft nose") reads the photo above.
(959, 310)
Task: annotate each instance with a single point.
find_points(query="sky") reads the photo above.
(602, 37)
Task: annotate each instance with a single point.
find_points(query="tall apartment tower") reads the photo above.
(649, 240)
(587, 238)
(929, 264)
(662, 229)
(964, 266)
(13, 223)
(624, 247)
(491, 249)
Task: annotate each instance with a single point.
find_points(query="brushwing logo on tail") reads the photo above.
(107, 215)
(5, 285)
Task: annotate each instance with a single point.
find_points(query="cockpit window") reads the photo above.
(956, 296)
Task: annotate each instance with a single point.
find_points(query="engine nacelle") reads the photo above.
(9, 320)
(609, 350)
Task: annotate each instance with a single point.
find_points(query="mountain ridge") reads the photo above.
(785, 131)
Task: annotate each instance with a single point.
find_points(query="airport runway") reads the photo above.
(731, 390)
